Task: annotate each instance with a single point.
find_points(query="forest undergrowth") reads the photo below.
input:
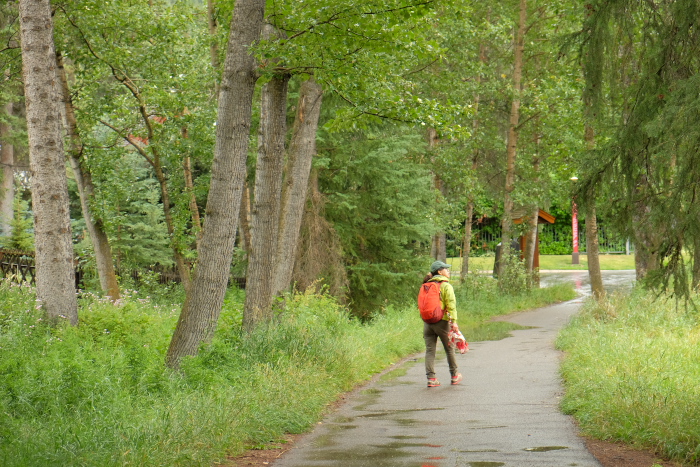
(632, 372)
(100, 395)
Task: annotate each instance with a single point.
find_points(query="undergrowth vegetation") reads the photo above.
(99, 393)
(632, 373)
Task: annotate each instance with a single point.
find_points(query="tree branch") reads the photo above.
(130, 139)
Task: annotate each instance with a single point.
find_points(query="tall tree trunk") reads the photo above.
(696, 263)
(302, 149)
(531, 241)
(531, 246)
(467, 241)
(214, 45)
(55, 273)
(592, 241)
(512, 145)
(266, 206)
(593, 249)
(189, 186)
(7, 186)
(438, 249)
(86, 192)
(645, 238)
(183, 269)
(244, 221)
(200, 312)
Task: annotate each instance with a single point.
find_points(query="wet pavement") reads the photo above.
(505, 412)
(614, 281)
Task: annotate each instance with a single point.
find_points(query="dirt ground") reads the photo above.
(608, 454)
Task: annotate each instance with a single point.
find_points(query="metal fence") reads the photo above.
(555, 239)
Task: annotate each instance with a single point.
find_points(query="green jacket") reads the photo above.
(449, 302)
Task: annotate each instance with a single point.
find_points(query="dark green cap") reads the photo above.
(437, 265)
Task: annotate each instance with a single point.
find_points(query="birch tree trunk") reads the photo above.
(7, 185)
(200, 312)
(302, 149)
(512, 144)
(55, 273)
(86, 192)
(262, 260)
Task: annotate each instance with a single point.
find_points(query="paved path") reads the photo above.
(505, 413)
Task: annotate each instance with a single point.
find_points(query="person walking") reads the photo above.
(440, 272)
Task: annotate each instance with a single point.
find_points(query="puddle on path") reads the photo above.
(546, 448)
(613, 281)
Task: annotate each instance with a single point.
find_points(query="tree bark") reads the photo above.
(592, 241)
(438, 249)
(7, 188)
(194, 209)
(645, 239)
(593, 249)
(512, 145)
(467, 241)
(531, 241)
(55, 274)
(86, 192)
(183, 269)
(244, 219)
(302, 149)
(200, 312)
(696, 264)
(262, 261)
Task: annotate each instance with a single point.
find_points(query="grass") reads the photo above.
(99, 394)
(552, 262)
(632, 374)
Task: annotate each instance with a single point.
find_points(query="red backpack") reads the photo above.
(430, 302)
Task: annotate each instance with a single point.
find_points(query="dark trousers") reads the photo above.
(431, 332)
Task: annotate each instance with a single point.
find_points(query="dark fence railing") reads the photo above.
(20, 267)
(169, 275)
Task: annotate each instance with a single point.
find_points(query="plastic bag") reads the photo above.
(457, 339)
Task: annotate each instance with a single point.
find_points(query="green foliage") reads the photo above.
(142, 86)
(104, 382)
(644, 111)
(631, 373)
(131, 203)
(99, 393)
(480, 298)
(381, 204)
(22, 224)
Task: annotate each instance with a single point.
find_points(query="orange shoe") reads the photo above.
(457, 378)
(433, 382)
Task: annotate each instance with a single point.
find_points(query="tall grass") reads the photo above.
(100, 395)
(632, 374)
(480, 298)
